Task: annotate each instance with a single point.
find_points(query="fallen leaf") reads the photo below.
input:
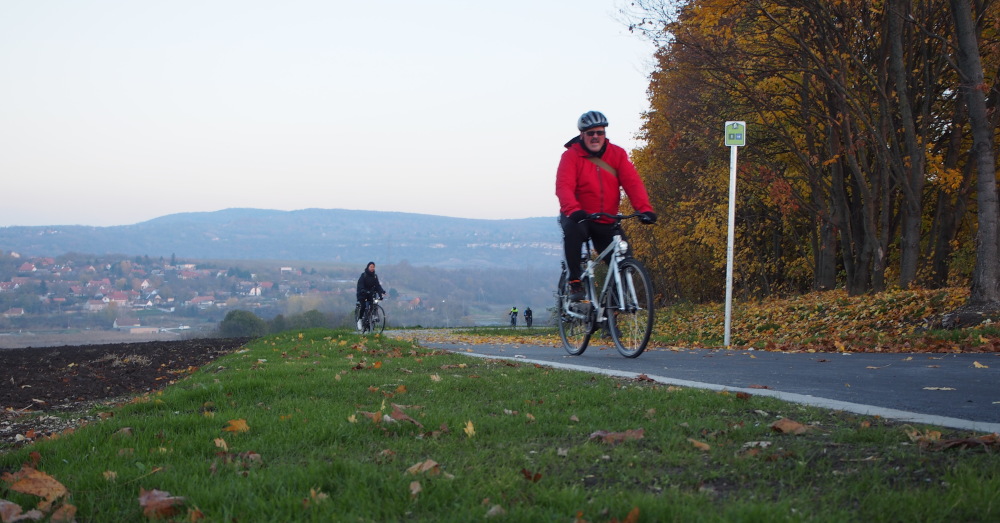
(614, 438)
(531, 477)
(10, 511)
(429, 466)
(922, 438)
(469, 429)
(415, 488)
(978, 365)
(237, 425)
(66, 513)
(158, 503)
(221, 443)
(399, 415)
(632, 517)
(36, 483)
(700, 445)
(985, 442)
(787, 426)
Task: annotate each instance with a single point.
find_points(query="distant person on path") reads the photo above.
(513, 316)
(590, 173)
(368, 287)
(527, 316)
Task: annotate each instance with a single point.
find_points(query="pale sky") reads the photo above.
(114, 112)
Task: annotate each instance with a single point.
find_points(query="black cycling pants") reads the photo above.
(574, 234)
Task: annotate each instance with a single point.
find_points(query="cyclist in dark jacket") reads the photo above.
(368, 287)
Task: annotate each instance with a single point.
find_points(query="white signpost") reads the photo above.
(736, 136)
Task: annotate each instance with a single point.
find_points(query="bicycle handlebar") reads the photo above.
(615, 217)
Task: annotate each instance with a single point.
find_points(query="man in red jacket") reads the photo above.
(591, 171)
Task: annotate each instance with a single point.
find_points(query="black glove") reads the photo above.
(578, 216)
(648, 217)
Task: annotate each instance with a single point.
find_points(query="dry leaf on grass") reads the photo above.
(614, 438)
(700, 445)
(36, 483)
(787, 426)
(237, 425)
(10, 511)
(158, 503)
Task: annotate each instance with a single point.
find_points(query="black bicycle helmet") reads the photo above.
(591, 119)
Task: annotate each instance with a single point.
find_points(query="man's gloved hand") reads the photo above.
(648, 217)
(578, 216)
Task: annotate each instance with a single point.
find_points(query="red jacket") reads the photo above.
(582, 185)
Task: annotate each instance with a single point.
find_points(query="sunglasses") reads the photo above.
(594, 133)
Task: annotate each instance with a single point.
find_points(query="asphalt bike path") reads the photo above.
(959, 391)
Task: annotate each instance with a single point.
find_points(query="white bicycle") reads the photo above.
(624, 305)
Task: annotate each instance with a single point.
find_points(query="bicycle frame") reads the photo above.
(371, 308)
(617, 253)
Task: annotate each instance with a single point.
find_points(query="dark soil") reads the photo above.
(46, 390)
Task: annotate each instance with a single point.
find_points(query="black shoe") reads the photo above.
(576, 292)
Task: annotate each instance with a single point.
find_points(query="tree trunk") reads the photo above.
(911, 172)
(986, 275)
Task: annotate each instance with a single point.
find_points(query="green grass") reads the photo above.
(520, 331)
(313, 454)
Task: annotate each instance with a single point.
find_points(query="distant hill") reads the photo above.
(331, 235)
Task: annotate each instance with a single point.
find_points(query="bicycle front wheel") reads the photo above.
(377, 322)
(576, 320)
(630, 309)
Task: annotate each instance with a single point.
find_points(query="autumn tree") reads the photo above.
(855, 160)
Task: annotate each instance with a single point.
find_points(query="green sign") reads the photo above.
(736, 134)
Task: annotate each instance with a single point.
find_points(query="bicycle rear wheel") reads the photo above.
(377, 322)
(630, 316)
(574, 329)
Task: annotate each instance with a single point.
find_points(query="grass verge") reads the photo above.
(328, 426)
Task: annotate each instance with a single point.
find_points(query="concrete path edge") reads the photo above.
(813, 401)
